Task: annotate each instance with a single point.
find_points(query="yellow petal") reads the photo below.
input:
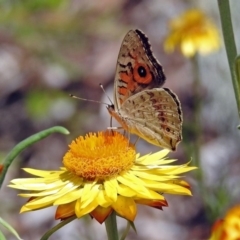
(43, 173)
(103, 200)
(111, 189)
(40, 194)
(66, 210)
(166, 187)
(87, 188)
(126, 191)
(37, 184)
(133, 182)
(151, 158)
(81, 211)
(125, 207)
(151, 195)
(152, 175)
(37, 203)
(69, 197)
(91, 196)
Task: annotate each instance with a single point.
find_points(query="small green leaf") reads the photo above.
(10, 229)
(26, 143)
(133, 226)
(2, 237)
(126, 231)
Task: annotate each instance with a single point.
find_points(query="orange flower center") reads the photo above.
(98, 156)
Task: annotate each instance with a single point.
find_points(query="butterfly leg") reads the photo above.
(111, 121)
(125, 133)
(129, 136)
(111, 124)
(136, 141)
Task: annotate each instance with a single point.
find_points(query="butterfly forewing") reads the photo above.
(137, 68)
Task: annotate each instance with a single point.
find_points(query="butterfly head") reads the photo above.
(110, 107)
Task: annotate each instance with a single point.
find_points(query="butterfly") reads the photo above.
(141, 105)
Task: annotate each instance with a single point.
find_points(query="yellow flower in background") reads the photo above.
(229, 227)
(102, 173)
(192, 32)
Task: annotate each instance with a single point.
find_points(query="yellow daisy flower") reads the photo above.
(102, 173)
(229, 227)
(192, 32)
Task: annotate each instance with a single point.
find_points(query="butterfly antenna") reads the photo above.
(101, 86)
(88, 100)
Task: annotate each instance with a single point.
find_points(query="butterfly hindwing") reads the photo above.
(155, 115)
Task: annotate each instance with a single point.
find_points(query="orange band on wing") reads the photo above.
(128, 79)
(125, 77)
(122, 91)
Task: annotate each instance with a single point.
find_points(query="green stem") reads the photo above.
(228, 35)
(197, 128)
(237, 67)
(57, 227)
(111, 226)
(26, 143)
(237, 70)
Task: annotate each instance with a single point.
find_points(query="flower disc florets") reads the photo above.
(98, 156)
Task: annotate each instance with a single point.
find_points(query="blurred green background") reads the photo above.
(51, 48)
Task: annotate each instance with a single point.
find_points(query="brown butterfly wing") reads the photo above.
(140, 105)
(154, 115)
(137, 68)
